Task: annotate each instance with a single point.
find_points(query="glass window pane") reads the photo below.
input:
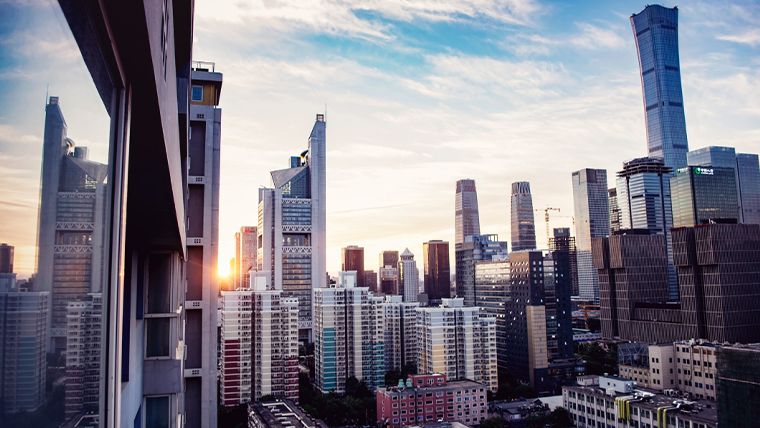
(157, 337)
(157, 412)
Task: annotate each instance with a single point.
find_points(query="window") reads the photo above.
(197, 93)
(157, 337)
(157, 412)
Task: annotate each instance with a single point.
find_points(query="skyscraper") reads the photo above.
(388, 258)
(245, 256)
(437, 269)
(523, 226)
(7, 276)
(202, 292)
(474, 248)
(70, 230)
(352, 259)
(457, 341)
(703, 195)
(466, 217)
(747, 176)
(291, 230)
(563, 243)
(592, 220)
(644, 197)
(389, 280)
(409, 277)
(656, 32)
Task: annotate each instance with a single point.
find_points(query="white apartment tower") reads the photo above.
(349, 333)
(409, 276)
(259, 344)
(291, 227)
(457, 341)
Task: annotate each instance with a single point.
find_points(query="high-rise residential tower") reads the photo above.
(437, 281)
(522, 220)
(457, 341)
(245, 256)
(291, 230)
(592, 219)
(644, 198)
(409, 277)
(747, 176)
(352, 259)
(656, 33)
(400, 319)
(202, 292)
(466, 217)
(349, 335)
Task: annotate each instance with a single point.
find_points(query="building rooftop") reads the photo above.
(701, 410)
(281, 414)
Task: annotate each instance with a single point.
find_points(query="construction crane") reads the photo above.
(546, 219)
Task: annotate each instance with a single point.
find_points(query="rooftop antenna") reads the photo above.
(47, 90)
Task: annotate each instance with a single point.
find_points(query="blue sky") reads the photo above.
(418, 94)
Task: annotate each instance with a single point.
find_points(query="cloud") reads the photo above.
(594, 37)
(587, 36)
(362, 19)
(749, 37)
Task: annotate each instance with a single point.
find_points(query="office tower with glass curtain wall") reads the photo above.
(522, 220)
(591, 202)
(437, 280)
(291, 229)
(466, 216)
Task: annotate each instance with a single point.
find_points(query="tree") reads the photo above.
(598, 361)
(560, 418)
(493, 422)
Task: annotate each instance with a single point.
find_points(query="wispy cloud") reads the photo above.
(749, 37)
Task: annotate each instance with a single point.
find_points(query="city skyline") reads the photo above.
(524, 39)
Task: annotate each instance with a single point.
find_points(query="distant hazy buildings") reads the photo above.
(437, 281)
(7, 275)
(409, 277)
(458, 342)
(592, 220)
(475, 248)
(70, 234)
(349, 331)
(245, 256)
(202, 293)
(387, 274)
(466, 217)
(644, 198)
(291, 230)
(522, 221)
(656, 33)
(23, 345)
(704, 195)
(747, 172)
(352, 259)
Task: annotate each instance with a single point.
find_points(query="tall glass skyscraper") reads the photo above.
(592, 219)
(656, 33)
(291, 228)
(523, 226)
(704, 195)
(747, 175)
(466, 217)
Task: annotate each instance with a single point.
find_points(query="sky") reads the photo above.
(417, 94)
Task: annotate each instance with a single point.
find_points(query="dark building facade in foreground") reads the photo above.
(738, 384)
(718, 267)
